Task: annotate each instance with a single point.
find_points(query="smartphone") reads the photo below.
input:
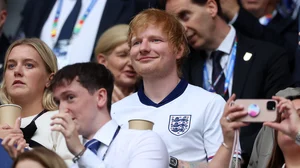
(259, 110)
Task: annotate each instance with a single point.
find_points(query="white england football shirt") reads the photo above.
(188, 120)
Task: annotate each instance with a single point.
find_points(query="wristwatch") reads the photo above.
(173, 162)
(297, 140)
(78, 156)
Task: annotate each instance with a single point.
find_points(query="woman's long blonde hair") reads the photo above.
(50, 63)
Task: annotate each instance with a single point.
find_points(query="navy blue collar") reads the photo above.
(179, 89)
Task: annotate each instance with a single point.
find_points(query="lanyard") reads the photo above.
(230, 67)
(79, 24)
(115, 135)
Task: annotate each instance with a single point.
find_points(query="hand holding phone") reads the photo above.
(259, 110)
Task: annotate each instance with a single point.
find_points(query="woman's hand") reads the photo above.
(228, 121)
(5, 129)
(290, 120)
(14, 144)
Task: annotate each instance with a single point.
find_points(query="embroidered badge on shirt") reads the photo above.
(179, 124)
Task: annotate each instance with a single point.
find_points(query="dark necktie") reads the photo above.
(93, 145)
(217, 69)
(67, 29)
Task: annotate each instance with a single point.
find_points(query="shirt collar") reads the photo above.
(178, 90)
(283, 166)
(226, 44)
(106, 132)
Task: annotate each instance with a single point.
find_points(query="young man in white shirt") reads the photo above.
(83, 93)
(186, 117)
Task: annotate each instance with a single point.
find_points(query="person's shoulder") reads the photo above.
(260, 45)
(202, 94)
(49, 114)
(133, 98)
(46, 117)
(125, 107)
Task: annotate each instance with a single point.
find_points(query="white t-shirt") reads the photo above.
(50, 139)
(188, 120)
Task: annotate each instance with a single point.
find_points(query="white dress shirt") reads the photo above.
(130, 149)
(81, 47)
(226, 47)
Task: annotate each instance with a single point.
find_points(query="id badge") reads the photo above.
(61, 51)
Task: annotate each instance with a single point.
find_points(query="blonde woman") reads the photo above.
(28, 68)
(112, 51)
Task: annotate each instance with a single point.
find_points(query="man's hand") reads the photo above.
(14, 144)
(5, 129)
(63, 123)
(290, 124)
(229, 8)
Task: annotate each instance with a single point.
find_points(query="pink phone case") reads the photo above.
(259, 110)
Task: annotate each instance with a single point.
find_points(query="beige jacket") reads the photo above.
(262, 148)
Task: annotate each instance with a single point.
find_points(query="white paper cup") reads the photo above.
(9, 113)
(140, 124)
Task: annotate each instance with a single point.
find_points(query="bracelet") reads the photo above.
(173, 162)
(78, 156)
(224, 144)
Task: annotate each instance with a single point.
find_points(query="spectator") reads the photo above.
(185, 116)
(261, 20)
(71, 28)
(4, 43)
(264, 143)
(83, 93)
(112, 51)
(29, 66)
(39, 158)
(286, 134)
(264, 10)
(227, 62)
